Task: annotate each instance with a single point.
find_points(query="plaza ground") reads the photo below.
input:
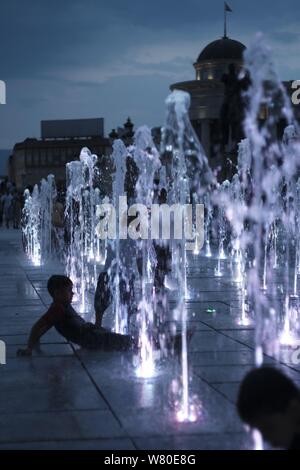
(68, 398)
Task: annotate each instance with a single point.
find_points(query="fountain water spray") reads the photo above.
(121, 272)
(190, 174)
(31, 225)
(81, 219)
(47, 196)
(147, 160)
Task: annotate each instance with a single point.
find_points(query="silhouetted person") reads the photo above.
(163, 252)
(270, 402)
(7, 202)
(232, 111)
(17, 210)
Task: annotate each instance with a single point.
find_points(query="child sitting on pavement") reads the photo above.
(71, 326)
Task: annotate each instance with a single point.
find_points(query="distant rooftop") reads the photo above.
(72, 128)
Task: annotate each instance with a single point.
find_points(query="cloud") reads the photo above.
(174, 70)
(285, 37)
(117, 58)
(164, 52)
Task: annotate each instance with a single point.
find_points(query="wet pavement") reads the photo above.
(68, 398)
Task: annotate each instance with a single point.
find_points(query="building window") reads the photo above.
(70, 154)
(28, 158)
(43, 157)
(36, 158)
(63, 154)
(56, 159)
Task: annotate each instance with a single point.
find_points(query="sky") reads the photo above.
(67, 59)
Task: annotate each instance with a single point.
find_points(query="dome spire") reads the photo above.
(226, 10)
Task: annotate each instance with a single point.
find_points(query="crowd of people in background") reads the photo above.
(11, 203)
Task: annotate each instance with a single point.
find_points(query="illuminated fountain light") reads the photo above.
(244, 320)
(295, 287)
(82, 308)
(238, 267)
(207, 206)
(274, 232)
(76, 297)
(295, 295)
(218, 272)
(190, 415)
(222, 254)
(288, 336)
(101, 252)
(36, 259)
(257, 440)
(199, 241)
(298, 266)
(196, 250)
(222, 191)
(259, 356)
(208, 252)
(185, 414)
(264, 285)
(91, 256)
(170, 283)
(146, 368)
(239, 275)
(188, 294)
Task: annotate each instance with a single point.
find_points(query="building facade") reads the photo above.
(61, 142)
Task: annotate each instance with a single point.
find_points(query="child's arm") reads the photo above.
(38, 330)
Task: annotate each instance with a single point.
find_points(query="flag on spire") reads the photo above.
(227, 7)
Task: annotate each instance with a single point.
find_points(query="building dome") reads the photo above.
(224, 48)
(214, 60)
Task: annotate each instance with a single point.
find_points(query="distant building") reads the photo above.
(4, 156)
(125, 133)
(61, 142)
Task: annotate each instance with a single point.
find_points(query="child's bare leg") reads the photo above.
(98, 318)
(102, 298)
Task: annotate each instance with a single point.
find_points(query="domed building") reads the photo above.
(217, 106)
(208, 92)
(215, 58)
